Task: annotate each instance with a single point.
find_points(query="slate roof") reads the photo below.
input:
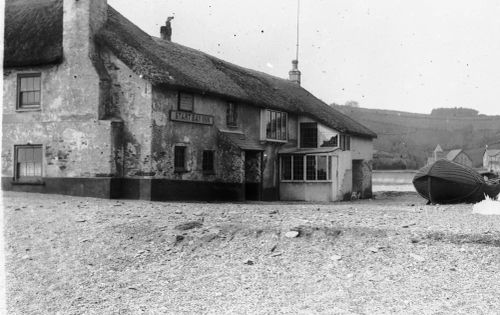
(241, 141)
(164, 63)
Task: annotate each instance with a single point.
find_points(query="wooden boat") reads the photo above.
(445, 181)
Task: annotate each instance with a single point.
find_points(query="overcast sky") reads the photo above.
(389, 54)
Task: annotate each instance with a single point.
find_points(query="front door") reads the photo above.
(253, 175)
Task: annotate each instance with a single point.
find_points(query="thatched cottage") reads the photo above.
(456, 155)
(94, 106)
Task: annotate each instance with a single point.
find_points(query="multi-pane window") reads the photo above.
(28, 91)
(308, 135)
(28, 162)
(208, 161)
(231, 115)
(186, 102)
(276, 125)
(317, 167)
(345, 142)
(179, 158)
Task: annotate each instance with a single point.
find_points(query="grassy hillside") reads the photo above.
(406, 139)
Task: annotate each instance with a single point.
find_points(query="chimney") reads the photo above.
(294, 74)
(166, 31)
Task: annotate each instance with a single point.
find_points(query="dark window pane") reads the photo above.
(322, 168)
(179, 157)
(286, 167)
(298, 167)
(329, 168)
(208, 161)
(231, 115)
(311, 167)
(308, 135)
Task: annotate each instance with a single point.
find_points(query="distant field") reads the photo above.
(400, 180)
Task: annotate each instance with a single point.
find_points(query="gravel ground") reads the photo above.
(392, 254)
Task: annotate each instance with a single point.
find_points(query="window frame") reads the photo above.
(29, 107)
(274, 115)
(204, 164)
(304, 159)
(28, 179)
(232, 115)
(183, 168)
(179, 102)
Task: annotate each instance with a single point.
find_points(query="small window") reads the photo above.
(180, 158)
(208, 161)
(232, 115)
(186, 102)
(298, 167)
(28, 163)
(345, 142)
(308, 135)
(276, 125)
(28, 91)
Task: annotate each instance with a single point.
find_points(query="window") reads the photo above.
(186, 102)
(333, 142)
(208, 161)
(345, 142)
(28, 91)
(286, 167)
(28, 163)
(298, 167)
(276, 125)
(308, 135)
(231, 115)
(180, 158)
(317, 167)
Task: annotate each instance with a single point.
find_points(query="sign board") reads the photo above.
(191, 117)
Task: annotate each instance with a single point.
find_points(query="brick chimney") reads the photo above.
(166, 31)
(294, 74)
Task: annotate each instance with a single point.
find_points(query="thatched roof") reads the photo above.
(167, 63)
(33, 36)
(33, 32)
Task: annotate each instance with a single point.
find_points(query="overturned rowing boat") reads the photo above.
(445, 181)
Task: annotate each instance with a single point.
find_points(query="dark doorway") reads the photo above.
(253, 175)
(357, 176)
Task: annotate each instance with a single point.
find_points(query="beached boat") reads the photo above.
(445, 181)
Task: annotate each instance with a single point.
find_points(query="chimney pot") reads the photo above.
(294, 74)
(166, 31)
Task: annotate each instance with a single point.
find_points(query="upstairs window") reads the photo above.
(180, 158)
(208, 161)
(28, 91)
(231, 115)
(345, 142)
(28, 163)
(276, 125)
(308, 135)
(186, 102)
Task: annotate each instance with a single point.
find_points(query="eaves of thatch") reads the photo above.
(165, 63)
(33, 33)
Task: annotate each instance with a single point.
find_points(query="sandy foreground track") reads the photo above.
(393, 254)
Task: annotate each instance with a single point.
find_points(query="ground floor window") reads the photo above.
(308, 167)
(180, 158)
(208, 161)
(28, 162)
